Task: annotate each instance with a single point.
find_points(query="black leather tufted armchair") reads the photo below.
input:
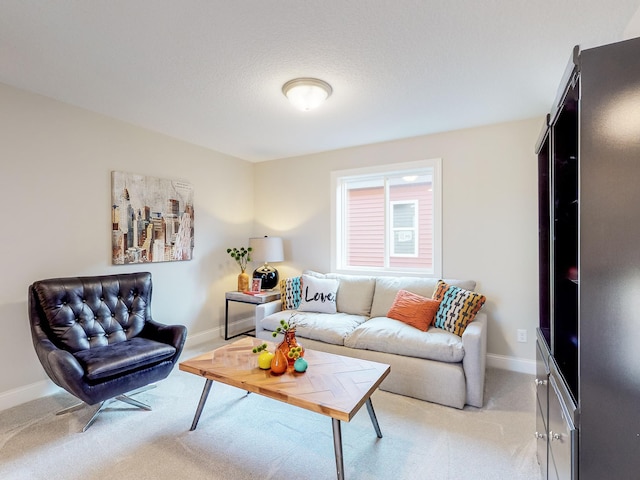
(96, 339)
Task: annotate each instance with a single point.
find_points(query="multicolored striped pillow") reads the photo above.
(458, 307)
(290, 293)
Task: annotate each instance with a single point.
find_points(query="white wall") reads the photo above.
(55, 188)
(489, 219)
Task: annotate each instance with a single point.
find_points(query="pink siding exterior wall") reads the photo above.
(365, 226)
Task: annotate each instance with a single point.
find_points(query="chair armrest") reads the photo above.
(264, 310)
(174, 335)
(474, 342)
(61, 366)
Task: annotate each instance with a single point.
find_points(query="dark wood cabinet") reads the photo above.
(588, 380)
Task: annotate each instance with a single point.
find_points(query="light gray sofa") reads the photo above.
(436, 366)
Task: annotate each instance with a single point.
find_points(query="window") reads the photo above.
(404, 228)
(388, 219)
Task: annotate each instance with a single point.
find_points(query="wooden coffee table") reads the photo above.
(333, 385)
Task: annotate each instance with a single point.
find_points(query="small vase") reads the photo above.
(288, 342)
(264, 360)
(300, 365)
(279, 363)
(243, 281)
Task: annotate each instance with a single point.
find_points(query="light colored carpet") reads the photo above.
(242, 437)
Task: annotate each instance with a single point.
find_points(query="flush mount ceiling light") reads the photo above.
(306, 93)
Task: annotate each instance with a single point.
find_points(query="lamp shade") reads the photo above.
(266, 249)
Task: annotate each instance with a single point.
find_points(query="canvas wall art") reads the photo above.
(152, 219)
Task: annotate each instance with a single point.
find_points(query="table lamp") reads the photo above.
(267, 249)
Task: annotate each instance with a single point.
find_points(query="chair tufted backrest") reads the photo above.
(79, 313)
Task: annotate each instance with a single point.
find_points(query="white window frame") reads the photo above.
(338, 224)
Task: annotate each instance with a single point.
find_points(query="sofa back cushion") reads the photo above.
(387, 288)
(355, 292)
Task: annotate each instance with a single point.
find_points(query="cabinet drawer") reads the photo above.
(542, 374)
(541, 438)
(561, 433)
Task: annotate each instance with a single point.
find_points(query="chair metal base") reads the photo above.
(123, 398)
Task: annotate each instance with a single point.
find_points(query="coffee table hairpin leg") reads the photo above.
(337, 437)
(203, 400)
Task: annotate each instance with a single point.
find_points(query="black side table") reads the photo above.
(264, 297)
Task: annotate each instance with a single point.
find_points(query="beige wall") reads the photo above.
(489, 218)
(55, 188)
(56, 193)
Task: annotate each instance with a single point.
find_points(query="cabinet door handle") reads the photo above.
(540, 382)
(539, 435)
(555, 436)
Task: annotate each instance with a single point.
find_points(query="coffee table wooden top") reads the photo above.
(333, 385)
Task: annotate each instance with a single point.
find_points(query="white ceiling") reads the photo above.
(210, 72)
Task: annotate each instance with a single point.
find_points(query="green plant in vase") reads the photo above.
(241, 256)
(287, 327)
(289, 345)
(294, 353)
(260, 348)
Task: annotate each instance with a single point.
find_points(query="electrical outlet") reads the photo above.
(522, 336)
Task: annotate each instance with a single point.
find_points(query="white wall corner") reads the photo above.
(633, 27)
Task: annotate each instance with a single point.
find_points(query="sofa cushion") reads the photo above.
(387, 335)
(318, 294)
(388, 287)
(325, 327)
(355, 293)
(413, 309)
(458, 307)
(290, 291)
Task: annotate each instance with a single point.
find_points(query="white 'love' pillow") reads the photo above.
(318, 294)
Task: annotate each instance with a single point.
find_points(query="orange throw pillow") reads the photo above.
(413, 309)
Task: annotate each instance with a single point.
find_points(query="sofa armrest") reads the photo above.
(264, 310)
(474, 341)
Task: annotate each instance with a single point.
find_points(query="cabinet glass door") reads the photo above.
(565, 209)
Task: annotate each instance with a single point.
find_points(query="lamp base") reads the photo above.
(269, 276)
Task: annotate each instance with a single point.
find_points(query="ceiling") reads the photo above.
(211, 72)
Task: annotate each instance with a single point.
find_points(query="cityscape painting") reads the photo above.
(152, 219)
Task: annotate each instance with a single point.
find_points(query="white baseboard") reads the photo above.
(514, 364)
(217, 333)
(26, 393)
(203, 337)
